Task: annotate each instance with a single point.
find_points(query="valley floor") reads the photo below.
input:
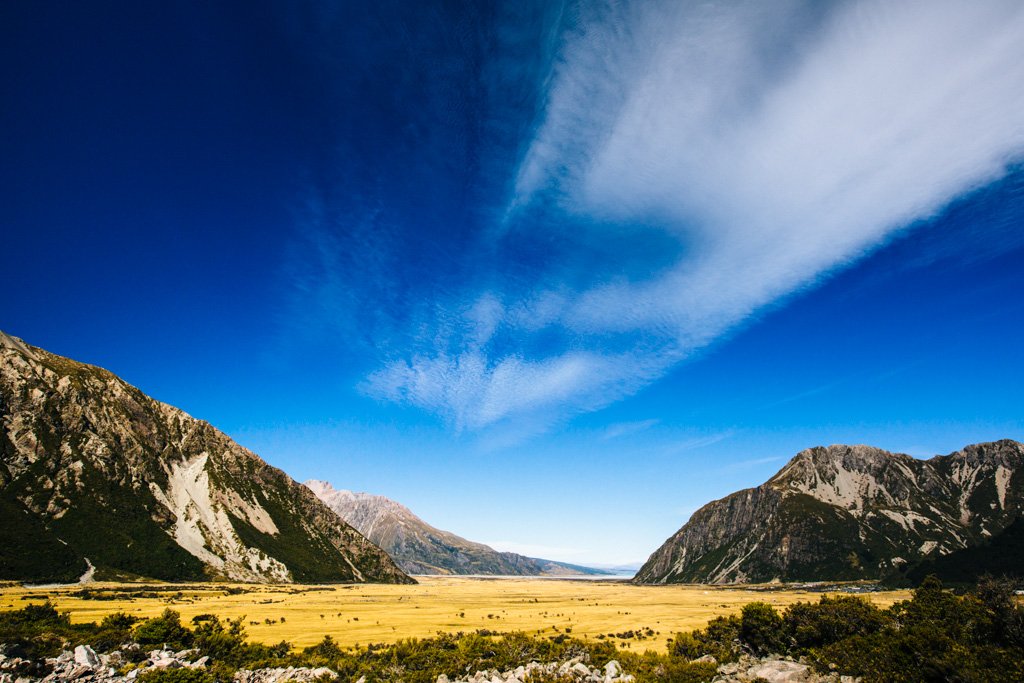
(637, 617)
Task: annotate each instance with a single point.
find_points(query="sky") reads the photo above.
(551, 274)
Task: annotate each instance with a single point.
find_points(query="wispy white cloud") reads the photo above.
(475, 391)
(774, 141)
(620, 429)
(696, 442)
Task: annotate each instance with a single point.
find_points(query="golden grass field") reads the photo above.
(374, 613)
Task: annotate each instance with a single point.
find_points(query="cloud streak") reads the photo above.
(773, 143)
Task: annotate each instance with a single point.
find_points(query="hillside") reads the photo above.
(420, 548)
(848, 512)
(94, 473)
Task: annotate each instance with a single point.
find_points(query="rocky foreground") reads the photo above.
(748, 669)
(84, 665)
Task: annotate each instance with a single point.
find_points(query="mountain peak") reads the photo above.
(848, 512)
(420, 548)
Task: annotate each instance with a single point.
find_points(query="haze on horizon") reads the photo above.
(551, 274)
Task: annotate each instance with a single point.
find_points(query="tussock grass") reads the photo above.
(645, 617)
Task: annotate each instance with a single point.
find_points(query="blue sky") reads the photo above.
(552, 274)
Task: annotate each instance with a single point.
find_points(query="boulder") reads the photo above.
(780, 671)
(85, 656)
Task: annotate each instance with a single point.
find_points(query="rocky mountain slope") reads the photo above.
(422, 549)
(848, 512)
(95, 474)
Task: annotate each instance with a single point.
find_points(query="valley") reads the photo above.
(385, 613)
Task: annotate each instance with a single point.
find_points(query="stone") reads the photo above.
(167, 663)
(705, 659)
(85, 656)
(79, 671)
(779, 671)
(612, 669)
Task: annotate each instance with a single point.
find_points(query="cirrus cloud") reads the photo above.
(775, 143)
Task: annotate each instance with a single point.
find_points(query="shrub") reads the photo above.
(34, 631)
(114, 631)
(177, 676)
(832, 619)
(165, 629)
(997, 595)
(934, 636)
(715, 639)
(762, 629)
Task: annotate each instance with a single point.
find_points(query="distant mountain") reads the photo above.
(419, 548)
(851, 512)
(94, 473)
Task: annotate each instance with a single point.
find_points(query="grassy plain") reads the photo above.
(374, 613)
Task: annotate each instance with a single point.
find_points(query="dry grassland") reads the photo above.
(362, 614)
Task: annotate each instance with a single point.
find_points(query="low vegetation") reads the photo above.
(934, 636)
(638, 618)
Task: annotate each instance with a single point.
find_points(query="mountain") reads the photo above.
(95, 474)
(422, 549)
(848, 512)
(1002, 555)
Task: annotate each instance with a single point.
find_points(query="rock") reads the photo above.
(442, 679)
(279, 675)
(612, 669)
(78, 672)
(705, 659)
(85, 656)
(199, 663)
(779, 671)
(167, 663)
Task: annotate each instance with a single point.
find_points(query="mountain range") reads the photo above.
(857, 512)
(95, 476)
(420, 548)
(98, 479)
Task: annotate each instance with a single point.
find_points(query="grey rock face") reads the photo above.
(847, 513)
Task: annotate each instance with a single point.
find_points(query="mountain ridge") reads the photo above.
(847, 512)
(420, 548)
(93, 472)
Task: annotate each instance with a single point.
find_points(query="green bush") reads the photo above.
(177, 676)
(165, 629)
(812, 625)
(35, 631)
(934, 636)
(715, 639)
(762, 629)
